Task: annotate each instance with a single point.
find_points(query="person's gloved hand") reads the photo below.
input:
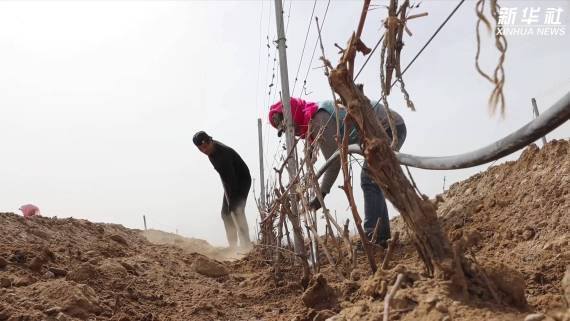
(314, 204)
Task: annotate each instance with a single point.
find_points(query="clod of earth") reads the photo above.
(3, 262)
(112, 269)
(131, 269)
(57, 272)
(119, 239)
(77, 300)
(509, 281)
(5, 282)
(209, 267)
(376, 286)
(24, 281)
(5, 313)
(348, 288)
(83, 273)
(319, 295)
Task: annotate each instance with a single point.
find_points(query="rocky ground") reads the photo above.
(516, 214)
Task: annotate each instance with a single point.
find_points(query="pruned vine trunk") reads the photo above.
(419, 215)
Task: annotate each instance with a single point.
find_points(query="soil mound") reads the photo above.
(521, 210)
(517, 217)
(70, 269)
(193, 245)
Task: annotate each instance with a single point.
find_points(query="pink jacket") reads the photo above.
(30, 210)
(302, 112)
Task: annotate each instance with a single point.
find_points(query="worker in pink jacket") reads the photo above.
(29, 210)
(320, 116)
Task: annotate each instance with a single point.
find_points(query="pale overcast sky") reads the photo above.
(99, 99)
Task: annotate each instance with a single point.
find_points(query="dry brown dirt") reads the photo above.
(517, 216)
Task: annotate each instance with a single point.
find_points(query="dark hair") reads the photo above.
(201, 137)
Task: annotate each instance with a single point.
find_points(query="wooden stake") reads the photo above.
(536, 114)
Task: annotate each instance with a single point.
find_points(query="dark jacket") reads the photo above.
(233, 172)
